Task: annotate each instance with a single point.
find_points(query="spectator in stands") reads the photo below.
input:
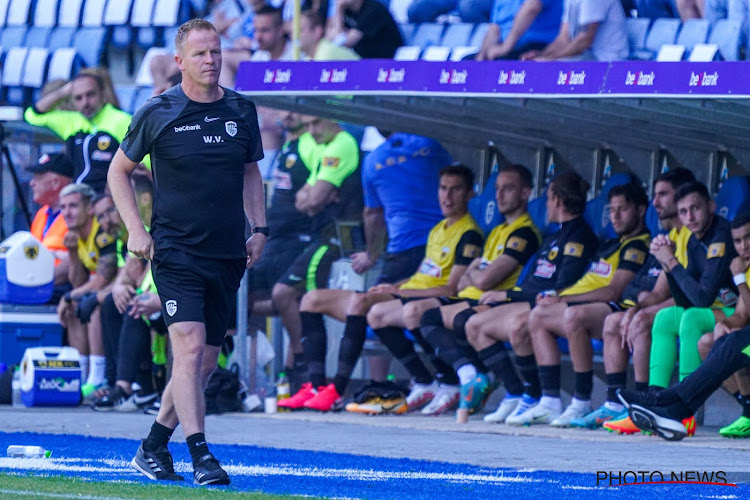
(617, 262)
(109, 96)
(452, 245)
(628, 331)
(265, 33)
(367, 27)
(48, 177)
(53, 85)
(590, 29)
(502, 316)
(93, 266)
(313, 43)
(470, 11)
(331, 193)
(92, 132)
(691, 9)
(508, 248)
(520, 26)
(292, 229)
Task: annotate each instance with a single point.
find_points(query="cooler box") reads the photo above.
(51, 376)
(27, 326)
(27, 270)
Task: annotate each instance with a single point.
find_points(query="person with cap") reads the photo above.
(49, 175)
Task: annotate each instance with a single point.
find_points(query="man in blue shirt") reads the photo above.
(519, 26)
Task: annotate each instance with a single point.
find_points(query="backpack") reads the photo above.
(222, 392)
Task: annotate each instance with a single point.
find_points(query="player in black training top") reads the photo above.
(204, 144)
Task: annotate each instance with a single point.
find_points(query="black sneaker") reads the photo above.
(208, 471)
(663, 397)
(651, 417)
(115, 399)
(153, 408)
(156, 465)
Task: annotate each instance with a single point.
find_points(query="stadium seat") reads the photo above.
(13, 36)
(483, 208)
(478, 36)
(61, 37)
(693, 31)
(171, 12)
(117, 16)
(15, 59)
(90, 44)
(126, 94)
(143, 18)
(435, 53)
(38, 36)
(459, 53)
(169, 34)
(457, 35)
(733, 197)
(70, 13)
(144, 78)
(428, 34)
(652, 221)
(407, 32)
(726, 33)
(142, 95)
(63, 64)
(93, 13)
(19, 14)
(662, 32)
(4, 4)
(35, 69)
(45, 13)
(407, 53)
(597, 209)
(637, 30)
(538, 212)
(704, 52)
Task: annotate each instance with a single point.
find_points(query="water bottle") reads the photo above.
(21, 451)
(16, 386)
(282, 387)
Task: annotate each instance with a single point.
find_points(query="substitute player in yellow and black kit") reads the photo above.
(508, 248)
(502, 316)
(596, 294)
(451, 246)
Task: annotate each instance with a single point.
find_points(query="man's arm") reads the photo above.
(497, 270)
(375, 234)
(311, 200)
(255, 210)
(521, 23)
(466, 279)
(123, 194)
(580, 44)
(609, 293)
(53, 99)
(562, 40)
(106, 270)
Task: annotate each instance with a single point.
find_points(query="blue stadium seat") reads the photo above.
(597, 209)
(35, 70)
(90, 44)
(126, 94)
(38, 36)
(171, 12)
(169, 34)
(428, 34)
(652, 221)
(61, 37)
(70, 13)
(733, 197)
(19, 13)
(478, 36)
(15, 59)
(538, 212)
(637, 30)
(693, 31)
(142, 95)
(63, 64)
(93, 13)
(407, 32)
(13, 36)
(4, 5)
(45, 13)
(457, 35)
(726, 33)
(117, 16)
(664, 31)
(484, 207)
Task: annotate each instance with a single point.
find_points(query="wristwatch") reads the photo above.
(261, 230)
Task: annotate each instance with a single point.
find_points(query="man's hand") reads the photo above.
(145, 304)
(530, 55)
(141, 244)
(63, 308)
(738, 266)
(121, 295)
(361, 262)
(627, 318)
(71, 241)
(493, 296)
(663, 253)
(544, 300)
(254, 248)
(384, 288)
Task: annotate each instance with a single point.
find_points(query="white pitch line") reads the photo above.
(27, 493)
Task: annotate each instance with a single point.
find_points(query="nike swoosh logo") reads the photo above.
(208, 120)
(139, 400)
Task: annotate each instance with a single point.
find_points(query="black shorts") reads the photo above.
(278, 256)
(401, 265)
(193, 288)
(444, 301)
(312, 269)
(614, 306)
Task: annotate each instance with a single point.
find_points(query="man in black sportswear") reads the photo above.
(204, 144)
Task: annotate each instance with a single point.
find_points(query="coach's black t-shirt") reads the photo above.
(198, 156)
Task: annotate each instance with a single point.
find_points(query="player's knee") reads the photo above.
(473, 330)
(705, 343)
(573, 319)
(311, 301)
(375, 317)
(359, 304)
(282, 295)
(412, 313)
(519, 330)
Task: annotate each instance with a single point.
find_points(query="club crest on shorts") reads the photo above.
(231, 128)
(171, 307)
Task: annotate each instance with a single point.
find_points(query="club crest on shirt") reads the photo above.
(553, 253)
(103, 142)
(716, 250)
(231, 128)
(290, 160)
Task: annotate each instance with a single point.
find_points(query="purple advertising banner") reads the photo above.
(561, 79)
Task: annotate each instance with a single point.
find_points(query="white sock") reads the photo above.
(84, 362)
(611, 405)
(579, 403)
(98, 365)
(551, 403)
(466, 374)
